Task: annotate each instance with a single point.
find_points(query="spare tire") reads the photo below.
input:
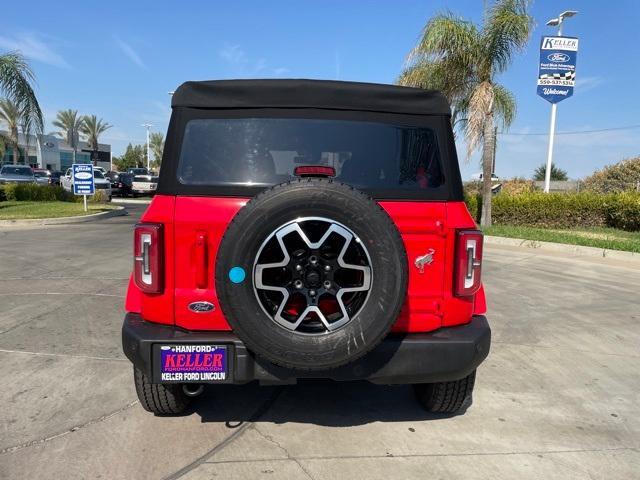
(311, 274)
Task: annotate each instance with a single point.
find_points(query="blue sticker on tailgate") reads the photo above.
(193, 363)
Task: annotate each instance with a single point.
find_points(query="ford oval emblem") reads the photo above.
(202, 307)
(83, 175)
(558, 57)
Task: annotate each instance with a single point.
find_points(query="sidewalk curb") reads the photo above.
(117, 212)
(563, 248)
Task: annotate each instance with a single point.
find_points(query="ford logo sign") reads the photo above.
(201, 307)
(83, 175)
(558, 57)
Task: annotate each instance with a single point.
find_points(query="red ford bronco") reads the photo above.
(306, 229)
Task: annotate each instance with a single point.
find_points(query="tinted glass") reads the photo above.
(265, 151)
(39, 174)
(16, 171)
(97, 174)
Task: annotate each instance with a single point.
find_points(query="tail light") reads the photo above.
(468, 262)
(148, 253)
(314, 171)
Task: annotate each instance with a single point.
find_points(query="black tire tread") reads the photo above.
(158, 398)
(446, 397)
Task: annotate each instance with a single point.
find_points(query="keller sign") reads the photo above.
(557, 70)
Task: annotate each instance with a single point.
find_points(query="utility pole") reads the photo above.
(148, 126)
(554, 106)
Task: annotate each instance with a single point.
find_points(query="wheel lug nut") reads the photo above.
(327, 284)
(312, 293)
(297, 284)
(327, 268)
(313, 260)
(298, 267)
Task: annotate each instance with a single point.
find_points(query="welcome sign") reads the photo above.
(557, 70)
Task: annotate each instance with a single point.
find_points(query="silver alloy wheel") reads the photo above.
(330, 273)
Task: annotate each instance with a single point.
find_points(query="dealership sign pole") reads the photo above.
(556, 78)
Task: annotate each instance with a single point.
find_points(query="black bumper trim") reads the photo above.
(446, 354)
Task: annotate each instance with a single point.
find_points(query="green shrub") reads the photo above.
(30, 192)
(549, 210)
(474, 204)
(623, 211)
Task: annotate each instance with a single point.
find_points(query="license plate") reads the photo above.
(193, 363)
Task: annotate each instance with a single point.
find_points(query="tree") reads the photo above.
(10, 116)
(620, 177)
(455, 56)
(156, 143)
(16, 78)
(69, 124)
(92, 127)
(133, 158)
(557, 174)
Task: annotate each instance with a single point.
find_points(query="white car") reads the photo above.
(144, 185)
(99, 182)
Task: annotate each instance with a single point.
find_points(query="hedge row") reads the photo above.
(562, 210)
(30, 192)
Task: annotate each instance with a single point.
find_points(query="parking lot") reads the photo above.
(558, 397)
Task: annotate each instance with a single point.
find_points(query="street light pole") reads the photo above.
(554, 106)
(148, 126)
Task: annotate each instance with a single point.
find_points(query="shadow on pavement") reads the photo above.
(318, 402)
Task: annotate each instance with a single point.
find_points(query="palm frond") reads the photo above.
(447, 36)
(506, 32)
(69, 124)
(481, 104)
(16, 78)
(504, 105)
(92, 127)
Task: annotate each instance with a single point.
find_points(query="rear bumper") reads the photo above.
(443, 355)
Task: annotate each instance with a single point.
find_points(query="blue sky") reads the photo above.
(119, 59)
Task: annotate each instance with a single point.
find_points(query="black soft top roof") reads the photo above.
(297, 93)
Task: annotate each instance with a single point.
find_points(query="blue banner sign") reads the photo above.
(83, 179)
(557, 72)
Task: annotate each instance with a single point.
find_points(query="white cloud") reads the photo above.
(34, 47)
(242, 65)
(585, 84)
(129, 52)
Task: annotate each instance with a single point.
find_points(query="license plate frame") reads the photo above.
(192, 362)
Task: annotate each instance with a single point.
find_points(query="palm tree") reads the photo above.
(92, 127)
(16, 78)
(463, 61)
(557, 174)
(156, 143)
(69, 124)
(10, 116)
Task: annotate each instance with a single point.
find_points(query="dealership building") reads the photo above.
(53, 153)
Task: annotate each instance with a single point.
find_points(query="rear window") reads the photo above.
(265, 151)
(26, 171)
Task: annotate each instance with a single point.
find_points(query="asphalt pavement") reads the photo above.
(558, 397)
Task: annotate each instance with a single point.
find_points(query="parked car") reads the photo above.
(100, 183)
(54, 178)
(41, 176)
(307, 229)
(121, 183)
(16, 174)
(144, 185)
(138, 171)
